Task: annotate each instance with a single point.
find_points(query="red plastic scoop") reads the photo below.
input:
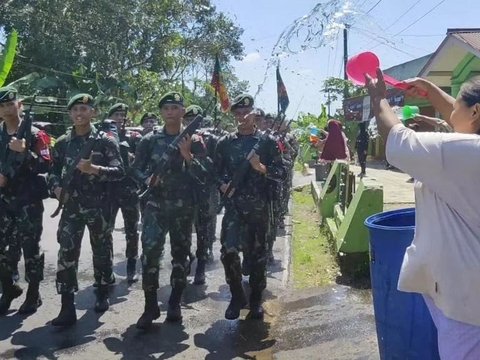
(367, 63)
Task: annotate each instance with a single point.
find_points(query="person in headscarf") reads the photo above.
(335, 144)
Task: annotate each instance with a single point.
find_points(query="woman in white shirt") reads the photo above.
(443, 262)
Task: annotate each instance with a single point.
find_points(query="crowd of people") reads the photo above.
(167, 178)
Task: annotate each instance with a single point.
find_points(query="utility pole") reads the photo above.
(345, 59)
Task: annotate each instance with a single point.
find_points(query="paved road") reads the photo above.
(203, 334)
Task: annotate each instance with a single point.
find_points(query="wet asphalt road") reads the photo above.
(203, 334)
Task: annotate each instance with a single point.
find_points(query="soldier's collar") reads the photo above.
(93, 132)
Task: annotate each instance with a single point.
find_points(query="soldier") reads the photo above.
(148, 121)
(169, 207)
(206, 211)
(126, 190)
(260, 119)
(22, 190)
(246, 220)
(86, 203)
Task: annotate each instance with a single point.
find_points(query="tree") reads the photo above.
(334, 87)
(127, 49)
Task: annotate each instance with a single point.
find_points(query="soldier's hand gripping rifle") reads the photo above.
(84, 153)
(24, 132)
(244, 167)
(172, 149)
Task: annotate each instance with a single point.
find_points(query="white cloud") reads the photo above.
(252, 57)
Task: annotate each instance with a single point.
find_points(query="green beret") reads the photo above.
(7, 94)
(117, 107)
(171, 97)
(193, 110)
(148, 115)
(85, 99)
(269, 117)
(242, 101)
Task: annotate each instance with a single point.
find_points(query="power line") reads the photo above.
(374, 6)
(380, 42)
(403, 14)
(420, 18)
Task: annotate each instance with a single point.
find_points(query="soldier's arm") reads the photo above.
(114, 170)
(220, 172)
(54, 177)
(201, 166)
(140, 163)
(277, 167)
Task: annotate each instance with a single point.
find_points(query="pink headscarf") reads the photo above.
(335, 143)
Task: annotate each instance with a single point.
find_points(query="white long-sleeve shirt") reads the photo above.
(444, 258)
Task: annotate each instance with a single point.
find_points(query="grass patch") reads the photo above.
(313, 261)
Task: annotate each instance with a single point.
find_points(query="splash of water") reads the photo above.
(320, 27)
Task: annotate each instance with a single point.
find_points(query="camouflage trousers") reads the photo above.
(247, 232)
(174, 217)
(206, 222)
(21, 229)
(71, 228)
(130, 207)
(285, 193)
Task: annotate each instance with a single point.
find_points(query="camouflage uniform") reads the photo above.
(169, 209)
(126, 198)
(87, 205)
(246, 220)
(21, 212)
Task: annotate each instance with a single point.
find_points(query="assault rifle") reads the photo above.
(172, 149)
(84, 153)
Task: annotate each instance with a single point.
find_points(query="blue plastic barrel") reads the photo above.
(405, 329)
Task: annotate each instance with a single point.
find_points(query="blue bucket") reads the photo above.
(405, 329)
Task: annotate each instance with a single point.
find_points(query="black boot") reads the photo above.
(246, 266)
(15, 274)
(256, 308)
(237, 302)
(10, 291)
(270, 257)
(174, 312)
(33, 300)
(132, 270)
(102, 304)
(152, 311)
(67, 315)
(200, 273)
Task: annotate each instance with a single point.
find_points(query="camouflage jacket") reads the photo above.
(89, 190)
(232, 151)
(180, 179)
(25, 184)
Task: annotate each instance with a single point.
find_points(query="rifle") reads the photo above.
(172, 148)
(24, 132)
(84, 153)
(244, 167)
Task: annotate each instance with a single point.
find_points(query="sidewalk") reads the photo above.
(397, 192)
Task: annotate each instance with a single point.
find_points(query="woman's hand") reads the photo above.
(418, 87)
(376, 87)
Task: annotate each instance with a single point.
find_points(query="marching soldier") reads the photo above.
(86, 202)
(22, 189)
(126, 191)
(169, 207)
(206, 212)
(246, 220)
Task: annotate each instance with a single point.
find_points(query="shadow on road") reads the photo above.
(44, 341)
(163, 338)
(234, 339)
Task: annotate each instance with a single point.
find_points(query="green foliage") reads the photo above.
(335, 87)
(8, 55)
(131, 50)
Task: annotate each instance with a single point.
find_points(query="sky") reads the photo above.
(397, 31)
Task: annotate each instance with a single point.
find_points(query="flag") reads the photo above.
(282, 95)
(219, 86)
